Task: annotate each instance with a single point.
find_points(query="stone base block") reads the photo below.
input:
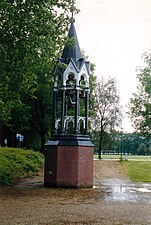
(68, 166)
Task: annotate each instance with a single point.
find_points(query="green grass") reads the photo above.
(139, 171)
(18, 163)
(130, 157)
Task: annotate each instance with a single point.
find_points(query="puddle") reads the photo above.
(29, 184)
(125, 191)
(109, 190)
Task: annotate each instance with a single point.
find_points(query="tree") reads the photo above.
(142, 149)
(140, 103)
(130, 142)
(108, 140)
(107, 111)
(32, 36)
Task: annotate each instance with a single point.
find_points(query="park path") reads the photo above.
(29, 203)
(104, 169)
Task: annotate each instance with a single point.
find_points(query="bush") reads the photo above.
(18, 163)
(142, 149)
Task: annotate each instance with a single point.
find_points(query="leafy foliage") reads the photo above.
(110, 140)
(106, 106)
(140, 103)
(32, 36)
(17, 163)
(93, 82)
(107, 111)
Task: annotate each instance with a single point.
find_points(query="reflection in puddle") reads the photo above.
(144, 190)
(125, 191)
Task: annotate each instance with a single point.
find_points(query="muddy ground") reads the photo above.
(114, 200)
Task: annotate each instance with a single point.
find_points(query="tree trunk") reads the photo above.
(42, 128)
(100, 144)
(42, 140)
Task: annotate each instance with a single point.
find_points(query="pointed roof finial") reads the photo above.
(73, 52)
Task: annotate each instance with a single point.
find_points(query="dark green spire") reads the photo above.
(72, 52)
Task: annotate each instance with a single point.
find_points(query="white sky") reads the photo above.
(115, 34)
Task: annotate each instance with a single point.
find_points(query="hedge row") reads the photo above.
(18, 163)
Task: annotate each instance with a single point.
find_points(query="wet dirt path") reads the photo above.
(32, 204)
(113, 180)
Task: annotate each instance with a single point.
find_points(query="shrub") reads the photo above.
(18, 163)
(142, 149)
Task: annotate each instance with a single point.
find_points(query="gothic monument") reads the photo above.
(69, 152)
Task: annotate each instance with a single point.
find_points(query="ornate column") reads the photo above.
(63, 109)
(86, 110)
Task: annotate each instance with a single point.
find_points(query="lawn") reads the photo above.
(129, 157)
(139, 171)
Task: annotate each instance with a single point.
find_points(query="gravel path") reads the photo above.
(32, 204)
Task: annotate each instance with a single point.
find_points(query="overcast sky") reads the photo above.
(115, 34)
